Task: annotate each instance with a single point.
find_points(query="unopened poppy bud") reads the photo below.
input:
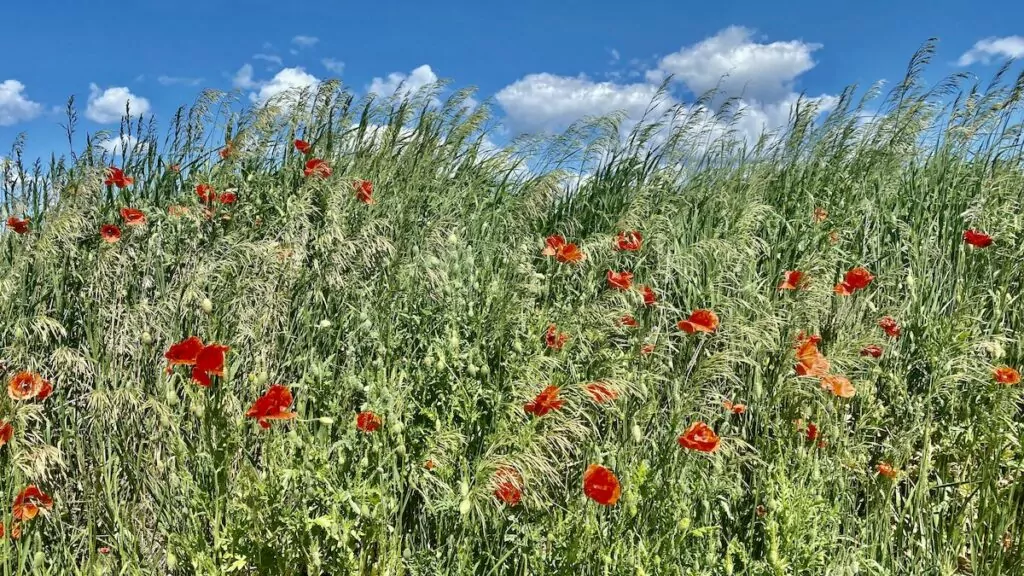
(407, 553)
(18, 332)
(172, 561)
(464, 488)
(638, 434)
(473, 370)
(465, 507)
(39, 561)
(147, 338)
(326, 420)
(453, 239)
(485, 370)
(207, 305)
(397, 426)
(366, 325)
(325, 323)
(262, 378)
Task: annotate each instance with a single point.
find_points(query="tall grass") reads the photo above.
(429, 309)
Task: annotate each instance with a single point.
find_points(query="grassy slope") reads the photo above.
(429, 308)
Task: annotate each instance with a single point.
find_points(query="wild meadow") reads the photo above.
(351, 336)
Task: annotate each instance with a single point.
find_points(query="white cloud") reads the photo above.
(106, 106)
(123, 144)
(270, 58)
(243, 78)
(14, 104)
(305, 41)
(403, 84)
(988, 48)
(172, 80)
(287, 80)
(549, 102)
(762, 72)
(332, 65)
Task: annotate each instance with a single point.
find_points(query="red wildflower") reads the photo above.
(812, 432)
(133, 217)
(115, 177)
(873, 350)
(792, 280)
(619, 280)
(888, 323)
(977, 238)
(701, 320)
(627, 320)
(176, 210)
(273, 405)
(6, 432)
(206, 193)
(364, 191)
(29, 502)
(570, 254)
(367, 422)
(646, 349)
(44, 391)
(430, 464)
(302, 146)
(228, 197)
(734, 408)
(19, 225)
(629, 241)
(110, 233)
(820, 214)
(857, 278)
(103, 550)
(25, 386)
(545, 402)
(601, 485)
(175, 168)
(209, 361)
(226, 151)
(552, 244)
(699, 436)
(317, 167)
(810, 362)
(184, 353)
(555, 339)
(839, 385)
(508, 488)
(601, 392)
(886, 469)
(1006, 375)
(650, 297)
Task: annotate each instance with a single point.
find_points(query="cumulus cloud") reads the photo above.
(14, 104)
(107, 106)
(549, 102)
(403, 84)
(987, 49)
(243, 79)
(123, 145)
(305, 41)
(288, 79)
(180, 80)
(332, 65)
(736, 64)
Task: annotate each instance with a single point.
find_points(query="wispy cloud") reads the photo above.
(986, 49)
(332, 65)
(305, 41)
(271, 58)
(179, 80)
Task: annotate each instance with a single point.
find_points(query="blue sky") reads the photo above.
(545, 63)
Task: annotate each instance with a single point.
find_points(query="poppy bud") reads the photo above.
(365, 326)
(262, 378)
(326, 420)
(397, 426)
(325, 323)
(465, 507)
(147, 338)
(638, 434)
(172, 561)
(39, 561)
(207, 305)
(464, 488)
(400, 450)
(473, 370)
(19, 333)
(485, 370)
(407, 553)
(453, 239)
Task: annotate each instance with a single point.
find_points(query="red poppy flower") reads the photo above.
(273, 405)
(843, 289)
(1006, 375)
(176, 210)
(628, 320)
(833, 237)
(430, 464)
(701, 320)
(601, 392)
(226, 151)
(364, 191)
(25, 386)
(6, 432)
(888, 323)
(29, 502)
(545, 402)
(115, 177)
(133, 217)
(601, 485)
(839, 385)
(858, 278)
(302, 146)
(317, 167)
(886, 469)
(812, 432)
(19, 225)
(209, 361)
(977, 238)
(110, 233)
(104, 550)
(15, 530)
(650, 297)
(44, 391)
(555, 339)
(810, 362)
(734, 408)
(206, 193)
(228, 198)
(629, 241)
(820, 214)
(647, 349)
(873, 350)
(508, 486)
(792, 280)
(367, 422)
(552, 244)
(175, 168)
(699, 436)
(619, 280)
(570, 254)
(184, 353)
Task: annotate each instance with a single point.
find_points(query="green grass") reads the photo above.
(429, 308)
